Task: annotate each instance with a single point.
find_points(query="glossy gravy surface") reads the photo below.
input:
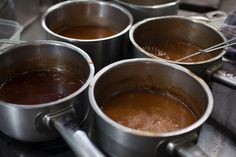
(39, 87)
(148, 110)
(173, 50)
(87, 32)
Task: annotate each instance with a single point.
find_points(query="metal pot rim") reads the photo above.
(67, 98)
(190, 128)
(159, 6)
(138, 24)
(66, 3)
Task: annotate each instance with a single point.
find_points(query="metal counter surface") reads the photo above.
(217, 137)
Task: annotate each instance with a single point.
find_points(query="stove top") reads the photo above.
(13, 148)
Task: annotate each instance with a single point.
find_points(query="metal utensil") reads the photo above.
(39, 122)
(156, 74)
(102, 51)
(200, 33)
(155, 50)
(146, 9)
(210, 49)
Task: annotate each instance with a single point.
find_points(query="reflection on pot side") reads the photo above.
(149, 110)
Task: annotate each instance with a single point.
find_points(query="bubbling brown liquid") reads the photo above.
(173, 50)
(148, 110)
(39, 87)
(87, 32)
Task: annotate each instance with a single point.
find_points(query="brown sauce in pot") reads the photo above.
(173, 50)
(87, 32)
(148, 110)
(39, 87)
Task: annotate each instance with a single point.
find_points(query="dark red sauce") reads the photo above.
(39, 87)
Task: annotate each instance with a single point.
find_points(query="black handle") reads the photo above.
(190, 150)
(217, 74)
(185, 146)
(226, 78)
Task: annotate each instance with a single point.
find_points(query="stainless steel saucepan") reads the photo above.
(118, 140)
(38, 122)
(183, 29)
(142, 9)
(102, 51)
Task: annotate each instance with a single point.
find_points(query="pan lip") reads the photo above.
(110, 4)
(158, 6)
(58, 102)
(125, 129)
(140, 23)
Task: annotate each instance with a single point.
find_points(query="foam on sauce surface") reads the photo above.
(148, 110)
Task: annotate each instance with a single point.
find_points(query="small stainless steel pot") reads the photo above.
(183, 29)
(118, 140)
(142, 9)
(102, 51)
(37, 122)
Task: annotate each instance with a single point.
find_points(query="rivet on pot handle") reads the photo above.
(185, 147)
(221, 76)
(77, 139)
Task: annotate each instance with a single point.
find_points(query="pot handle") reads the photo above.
(226, 78)
(221, 76)
(11, 42)
(185, 147)
(77, 139)
(190, 150)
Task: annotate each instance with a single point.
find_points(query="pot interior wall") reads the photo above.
(155, 76)
(33, 57)
(177, 29)
(86, 13)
